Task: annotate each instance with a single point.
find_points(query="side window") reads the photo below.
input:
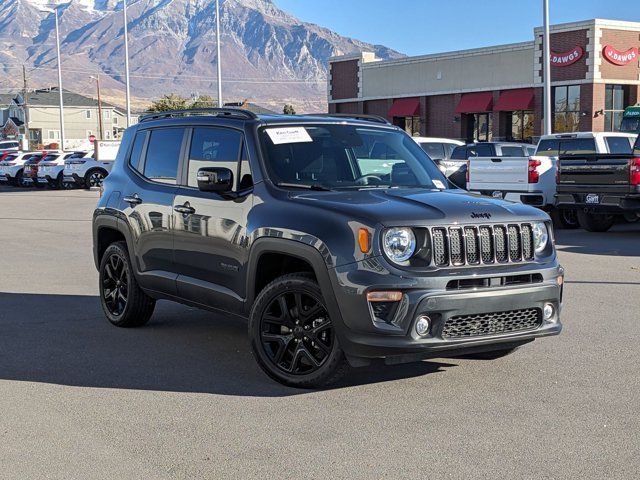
(163, 155)
(136, 151)
(636, 146)
(434, 150)
(449, 148)
(618, 144)
(213, 147)
(459, 153)
(578, 146)
(483, 150)
(508, 151)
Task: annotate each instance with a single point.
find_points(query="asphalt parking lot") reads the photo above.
(183, 397)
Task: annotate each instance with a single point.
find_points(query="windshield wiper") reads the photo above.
(313, 186)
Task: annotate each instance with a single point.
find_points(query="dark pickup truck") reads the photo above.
(600, 187)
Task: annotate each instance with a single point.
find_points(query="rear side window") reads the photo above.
(459, 153)
(213, 147)
(136, 151)
(481, 150)
(163, 155)
(511, 151)
(434, 150)
(618, 144)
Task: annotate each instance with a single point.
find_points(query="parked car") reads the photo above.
(440, 150)
(600, 186)
(86, 171)
(463, 153)
(9, 145)
(11, 168)
(279, 219)
(50, 171)
(31, 167)
(532, 179)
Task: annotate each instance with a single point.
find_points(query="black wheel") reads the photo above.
(564, 218)
(123, 302)
(292, 335)
(593, 222)
(19, 180)
(94, 178)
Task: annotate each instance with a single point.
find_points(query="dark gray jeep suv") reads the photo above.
(337, 237)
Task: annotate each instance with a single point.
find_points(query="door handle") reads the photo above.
(185, 209)
(133, 199)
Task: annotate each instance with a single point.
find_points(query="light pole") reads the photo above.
(218, 49)
(546, 68)
(54, 9)
(126, 62)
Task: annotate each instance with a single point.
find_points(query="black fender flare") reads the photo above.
(299, 250)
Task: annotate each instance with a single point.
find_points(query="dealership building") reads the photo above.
(496, 93)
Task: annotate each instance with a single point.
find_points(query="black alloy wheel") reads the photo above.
(94, 179)
(293, 337)
(115, 285)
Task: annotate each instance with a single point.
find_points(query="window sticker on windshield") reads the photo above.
(438, 184)
(284, 135)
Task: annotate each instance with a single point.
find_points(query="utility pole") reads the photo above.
(25, 103)
(220, 105)
(100, 125)
(55, 11)
(546, 67)
(126, 62)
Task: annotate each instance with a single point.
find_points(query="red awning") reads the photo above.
(512, 100)
(405, 107)
(475, 102)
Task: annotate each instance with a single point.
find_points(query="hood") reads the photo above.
(411, 206)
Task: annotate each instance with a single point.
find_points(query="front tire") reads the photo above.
(123, 301)
(564, 218)
(292, 336)
(594, 222)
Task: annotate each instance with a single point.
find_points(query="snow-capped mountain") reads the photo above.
(268, 56)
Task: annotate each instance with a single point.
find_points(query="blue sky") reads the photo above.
(419, 27)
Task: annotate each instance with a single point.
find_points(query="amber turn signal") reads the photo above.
(382, 296)
(364, 240)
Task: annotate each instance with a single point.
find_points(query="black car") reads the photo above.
(337, 238)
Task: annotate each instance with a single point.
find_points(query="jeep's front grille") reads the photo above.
(477, 325)
(485, 244)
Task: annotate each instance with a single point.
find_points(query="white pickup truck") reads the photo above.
(532, 180)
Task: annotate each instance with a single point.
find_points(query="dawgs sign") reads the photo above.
(620, 58)
(567, 58)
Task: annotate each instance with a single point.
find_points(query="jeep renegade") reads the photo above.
(337, 237)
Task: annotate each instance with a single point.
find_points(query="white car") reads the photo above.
(440, 150)
(12, 168)
(9, 146)
(50, 171)
(86, 172)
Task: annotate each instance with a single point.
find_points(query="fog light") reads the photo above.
(423, 325)
(548, 311)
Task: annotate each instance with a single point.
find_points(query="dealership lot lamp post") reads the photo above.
(126, 62)
(54, 9)
(546, 54)
(218, 48)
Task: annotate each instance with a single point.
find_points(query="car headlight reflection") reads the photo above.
(399, 244)
(540, 236)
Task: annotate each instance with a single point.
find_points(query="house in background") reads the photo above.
(41, 117)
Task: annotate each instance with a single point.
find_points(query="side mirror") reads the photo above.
(215, 179)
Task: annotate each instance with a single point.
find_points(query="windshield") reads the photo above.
(630, 125)
(339, 156)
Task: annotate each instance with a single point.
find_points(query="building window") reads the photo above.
(87, 114)
(614, 101)
(566, 109)
(522, 126)
(115, 119)
(54, 135)
(479, 127)
(411, 125)
(107, 134)
(107, 114)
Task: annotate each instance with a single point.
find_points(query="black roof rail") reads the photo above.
(217, 112)
(355, 116)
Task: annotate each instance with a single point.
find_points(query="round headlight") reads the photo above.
(540, 236)
(399, 244)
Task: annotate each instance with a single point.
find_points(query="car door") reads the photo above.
(211, 246)
(147, 202)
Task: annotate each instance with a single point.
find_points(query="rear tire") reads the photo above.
(292, 336)
(123, 301)
(595, 222)
(564, 218)
(94, 178)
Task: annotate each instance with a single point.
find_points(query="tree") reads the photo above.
(204, 101)
(289, 110)
(169, 102)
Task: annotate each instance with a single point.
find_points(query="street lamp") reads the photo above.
(53, 8)
(126, 62)
(546, 67)
(218, 49)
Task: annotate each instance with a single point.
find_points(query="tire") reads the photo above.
(60, 184)
(123, 302)
(594, 222)
(19, 180)
(297, 350)
(94, 178)
(564, 218)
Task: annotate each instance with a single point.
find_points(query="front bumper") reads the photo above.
(362, 336)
